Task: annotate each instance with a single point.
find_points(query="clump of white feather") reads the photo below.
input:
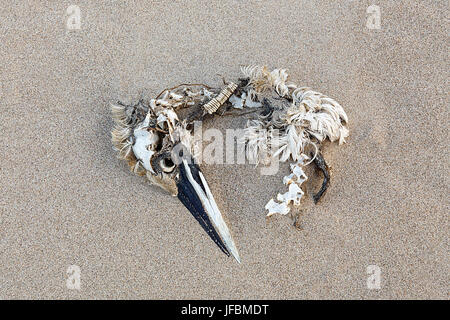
(309, 119)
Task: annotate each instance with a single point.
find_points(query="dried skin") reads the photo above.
(321, 165)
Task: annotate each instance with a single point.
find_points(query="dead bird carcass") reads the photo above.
(156, 138)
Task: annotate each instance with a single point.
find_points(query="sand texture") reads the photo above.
(65, 199)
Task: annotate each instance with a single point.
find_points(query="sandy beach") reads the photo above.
(65, 198)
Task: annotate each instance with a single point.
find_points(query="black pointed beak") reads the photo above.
(194, 193)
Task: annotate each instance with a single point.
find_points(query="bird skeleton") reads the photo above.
(156, 139)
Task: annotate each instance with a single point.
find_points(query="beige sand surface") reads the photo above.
(66, 200)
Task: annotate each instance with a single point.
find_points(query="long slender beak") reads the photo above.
(194, 193)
